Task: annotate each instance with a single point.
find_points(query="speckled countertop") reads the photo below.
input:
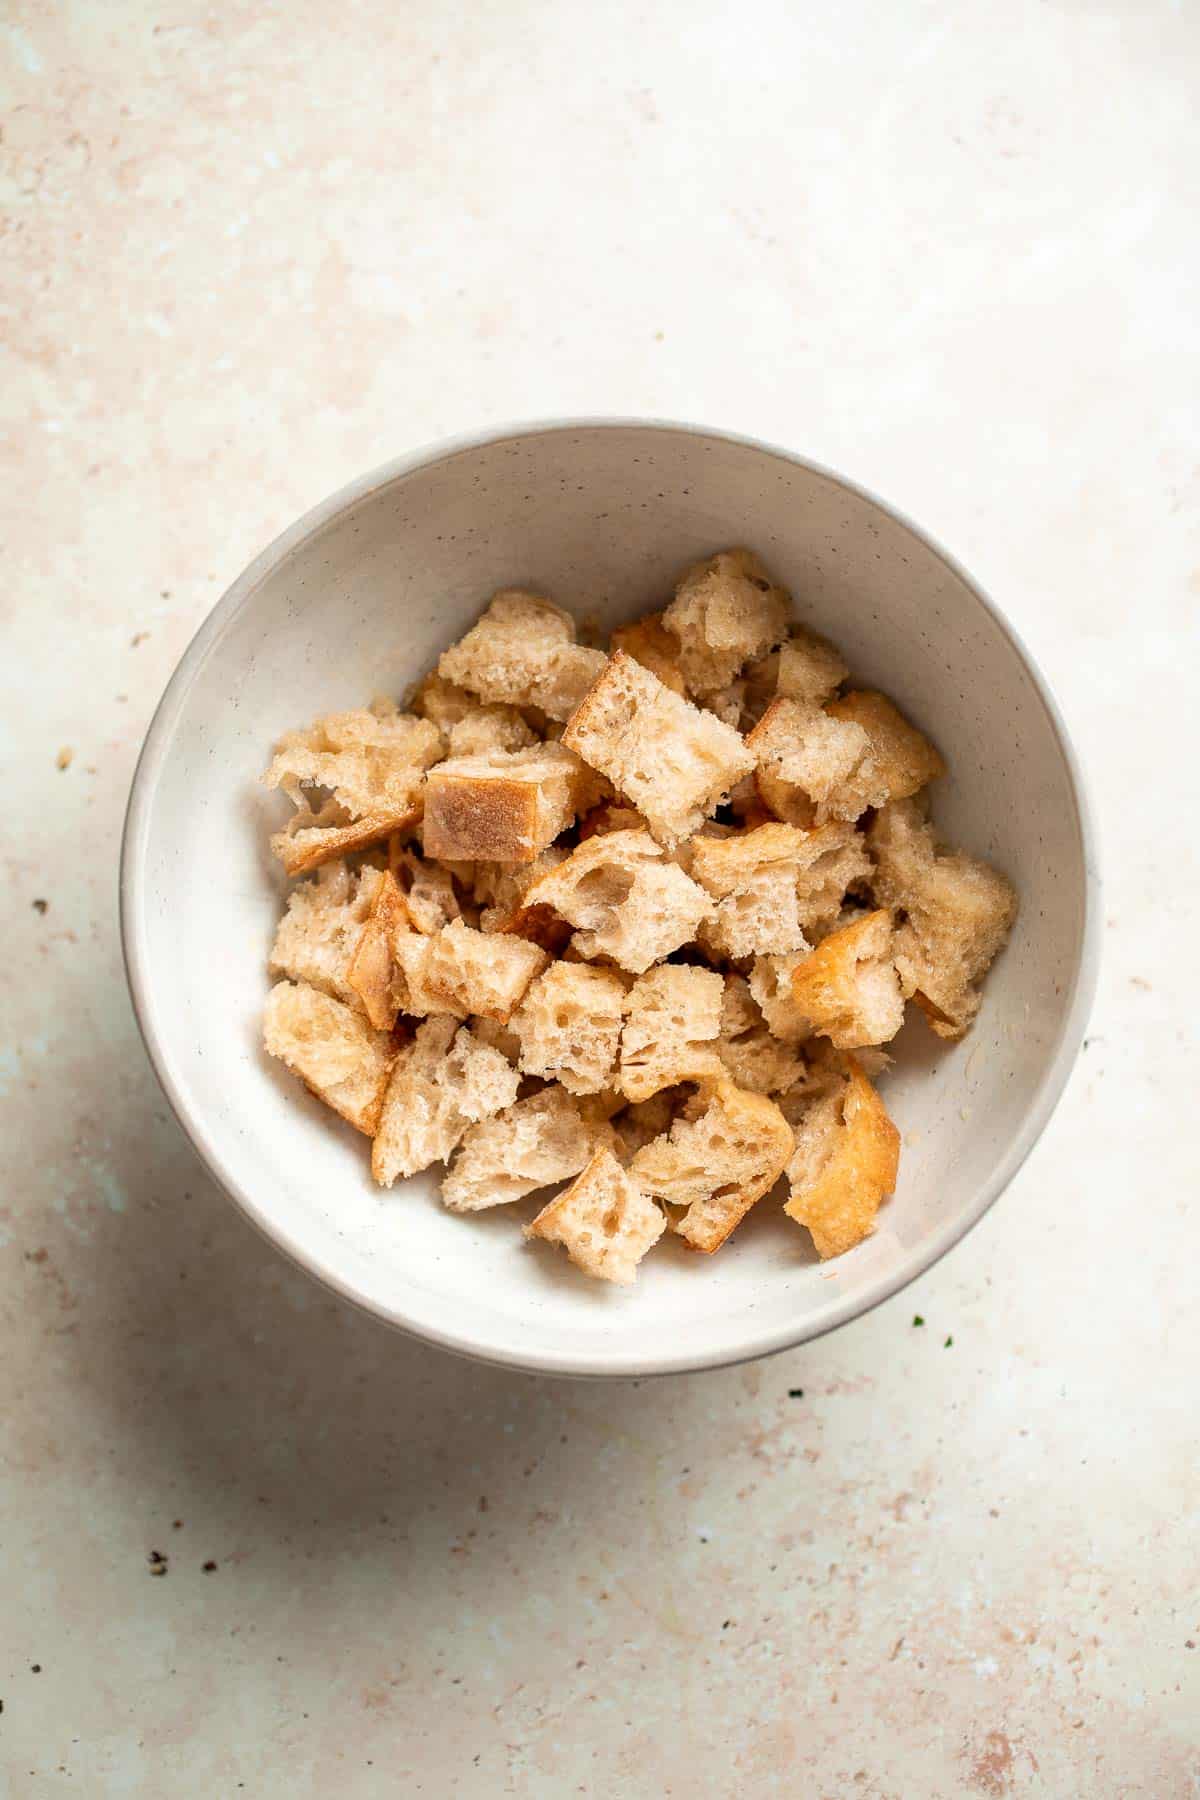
(249, 251)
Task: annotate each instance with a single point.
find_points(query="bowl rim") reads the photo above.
(134, 837)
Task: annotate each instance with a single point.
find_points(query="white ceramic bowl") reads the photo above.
(359, 597)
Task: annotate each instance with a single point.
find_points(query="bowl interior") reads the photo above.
(359, 599)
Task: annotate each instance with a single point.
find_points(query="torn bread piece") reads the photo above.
(649, 642)
(848, 988)
(499, 889)
(461, 971)
(957, 915)
(753, 877)
(624, 898)
(673, 1017)
(716, 1163)
(771, 990)
(319, 932)
(846, 1160)
(428, 889)
(522, 652)
(900, 760)
(506, 806)
(354, 778)
(337, 1055)
(672, 761)
(569, 1025)
(603, 1221)
(805, 755)
(371, 973)
(531, 1144)
(753, 1056)
(810, 668)
(726, 612)
(444, 1081)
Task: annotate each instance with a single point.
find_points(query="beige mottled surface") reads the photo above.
(250, 250)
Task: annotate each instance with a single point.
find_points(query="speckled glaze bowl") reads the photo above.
(360, 596)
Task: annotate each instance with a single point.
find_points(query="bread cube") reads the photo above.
(717, 1163)
(725, 613)
(958, 915)
(671, 761)
(569, 1025)
(771, 990)
(506, 806)
(800, 747)
(649, 642)
(337, 1055)
(442, 1083)
(531, 1144)
(603, 1220)
(753, 877)
(810, 669)
(461, 971)
(848, 988)
(673, 1017)
(522, 652)
(899, 760)
(369, 766)
(753, 1056)
(428, 889)
(319, 932)
(626, 901)
(846, 1161)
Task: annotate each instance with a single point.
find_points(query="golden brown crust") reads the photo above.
(847, 988)
(839, 1201)
(902, 759)
(716, 1164)
(303, 846)
(469, 819)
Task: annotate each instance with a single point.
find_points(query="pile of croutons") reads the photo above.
(635, 923)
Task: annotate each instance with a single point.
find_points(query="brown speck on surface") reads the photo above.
(209, 1567)
(35, 1668)
(65, 757)
(157, 1562)
(139, 637)
(1139, 981)
(176, 1524)
(483, 1502)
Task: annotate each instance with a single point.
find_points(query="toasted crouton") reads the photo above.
(800, 747)
(672, 761)
(958, 914)
(649, 642)
(319, 932)
(725, 613)
(771, 990)
(810, 669)
(716, 1164)
(626, 901)
(848, 988)
(603, 1220)
(505, 806)
(370, 973)
(569, 1025)
(753, 1056)
(370, 765)
(461, 971)
(673, 1016)
(899, 760)
(753, 876)
(528, 1146)
(443, 1081)
(846, 1161)
(522, 652)
(428, 889)
(488, 728)
(444, 702)
(337, 1055)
